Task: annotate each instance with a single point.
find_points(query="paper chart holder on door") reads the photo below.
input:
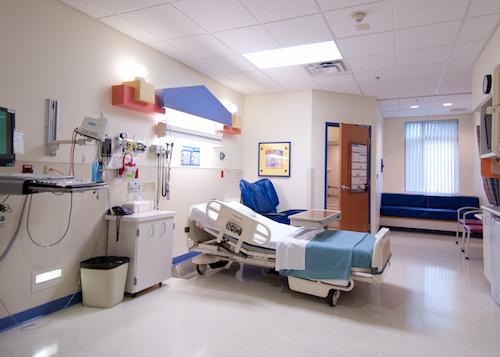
(359, 168)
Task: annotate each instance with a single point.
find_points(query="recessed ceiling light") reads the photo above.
(415, 106)
(290, 56)
(447, 104)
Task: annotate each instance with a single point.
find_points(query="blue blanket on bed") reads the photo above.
(332, 254)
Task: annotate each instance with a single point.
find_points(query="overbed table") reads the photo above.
(315, 218)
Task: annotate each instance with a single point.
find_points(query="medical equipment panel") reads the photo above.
(147, 239)
(7, 128)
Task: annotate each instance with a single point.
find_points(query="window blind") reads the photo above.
(431, 157)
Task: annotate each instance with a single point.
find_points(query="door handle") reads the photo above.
(164, 225)
(345, 187)
(152, 230)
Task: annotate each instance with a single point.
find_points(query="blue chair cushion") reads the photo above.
(260, 196)
(419, 212)
(406, 200)
(453, 202)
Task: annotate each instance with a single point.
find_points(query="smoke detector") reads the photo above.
(359, 17)
(326, 68)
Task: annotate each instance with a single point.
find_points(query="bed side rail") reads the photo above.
(381, 249)
(237, 225)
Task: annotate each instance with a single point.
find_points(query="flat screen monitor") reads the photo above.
(7, 126)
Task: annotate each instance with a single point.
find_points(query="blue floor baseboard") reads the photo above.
(184, 257)
(37, 312)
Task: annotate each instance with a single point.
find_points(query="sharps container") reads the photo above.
(103, 280)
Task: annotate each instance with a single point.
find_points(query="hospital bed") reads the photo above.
(228, 232)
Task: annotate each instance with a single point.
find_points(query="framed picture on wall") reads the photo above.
(274, 159)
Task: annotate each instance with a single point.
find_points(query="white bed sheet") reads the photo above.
(289, 242)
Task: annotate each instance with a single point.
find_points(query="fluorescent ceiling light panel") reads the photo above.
(415, 106)
(291, 56)
(448, 104)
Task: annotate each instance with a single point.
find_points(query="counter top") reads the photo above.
(495, 210)
(143, 216)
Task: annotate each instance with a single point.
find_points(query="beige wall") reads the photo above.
(394, 152)
(280, 117)
(487, 61)
(53, 51)
(300, 117)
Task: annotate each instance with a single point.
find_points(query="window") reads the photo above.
(432, 157)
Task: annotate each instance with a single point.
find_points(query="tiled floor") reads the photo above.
(433, 303)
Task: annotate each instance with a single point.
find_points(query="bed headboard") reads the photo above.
(237, 225)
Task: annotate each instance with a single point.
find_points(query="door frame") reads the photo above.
(325, 182)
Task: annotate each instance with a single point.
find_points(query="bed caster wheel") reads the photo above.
(467, 258)
(160, 284)
(201, 269)
(333, 297)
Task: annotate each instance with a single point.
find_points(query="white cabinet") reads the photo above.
(491, 248)
(146, 238)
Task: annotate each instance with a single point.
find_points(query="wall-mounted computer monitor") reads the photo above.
(7, 126)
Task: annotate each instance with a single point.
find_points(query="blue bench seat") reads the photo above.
(424, 206)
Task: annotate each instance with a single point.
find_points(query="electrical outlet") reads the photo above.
(148, 186)
(134, 186)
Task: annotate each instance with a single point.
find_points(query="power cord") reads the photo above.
(5, 199)
(16, 232)
(58, 240)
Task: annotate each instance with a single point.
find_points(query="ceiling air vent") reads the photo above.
(326, 68)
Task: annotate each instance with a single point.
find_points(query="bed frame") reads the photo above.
(239, 239)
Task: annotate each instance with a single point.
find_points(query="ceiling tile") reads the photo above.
(478, 28)
(367, 45)
(273, 10)
(410, 113)
(304, 30)
(427, 36)
(291, 73)
(388, 104)
(460, 67)
(90, 7)
(484, 7)
(423, 56)
(250, 82)
(427, 72)
(128, 28)
(217, 15)
(410, 13)
(248, 39)
(456, 84)
(202, 46)
(339, 83)
(164, 21)
(166, 47)
(129, 5)
(221, 65)
(458, 100)
(421, 88)
(379, 17)
(301, 84)
(373, 63)
(467, 50)
(340, 4)
(424, 103)
(384, 87)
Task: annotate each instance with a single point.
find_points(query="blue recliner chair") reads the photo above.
(261, 197)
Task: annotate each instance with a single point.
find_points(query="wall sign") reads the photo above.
(274, 159)
(359, 168)
(190, 156)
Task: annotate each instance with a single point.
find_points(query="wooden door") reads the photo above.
(355, 206)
